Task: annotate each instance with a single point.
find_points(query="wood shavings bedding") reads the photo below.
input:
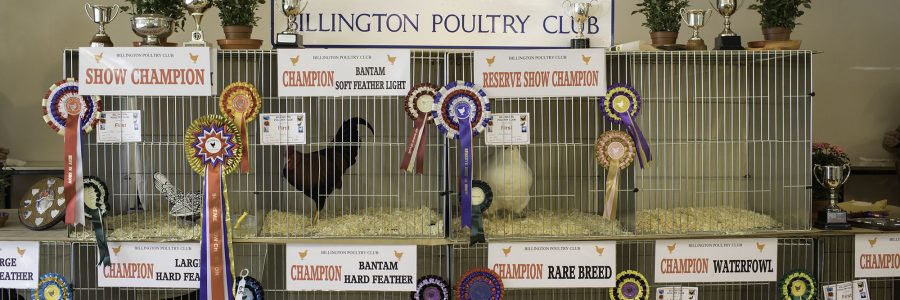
(136, 226)
(543, 222)
(701, 219)
(396, 222)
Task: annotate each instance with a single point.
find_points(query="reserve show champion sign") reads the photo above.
(152, 265)
(730, 260)
(146, 71)
(554, 264)
(343, 72)
(877, 255)
(351, 267)
(19, 264)
(541, 73)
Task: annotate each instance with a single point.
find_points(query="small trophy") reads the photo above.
(695, 19)
(196, 9)
(100, 14)
(579, 11)
(832, 178)
(728, 40)
(290, 38)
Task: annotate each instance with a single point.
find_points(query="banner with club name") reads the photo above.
(152, 265)
(343, 72)
(351, 267)
(877, 255)
(727, 260)
(554, 264)
(146, 71)
(446, 23)
(19, 263)
(541, 73)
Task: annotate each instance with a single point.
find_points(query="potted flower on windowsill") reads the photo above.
(155, 20)
(779, 17)
(238, 19)
(662, 19)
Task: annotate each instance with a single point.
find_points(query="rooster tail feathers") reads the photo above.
(349, 131)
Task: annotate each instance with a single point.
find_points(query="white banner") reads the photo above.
(877, 255)
(19, 262)
(282, 129)
(146, 71)
(446, 23)
(351, 267)
(541, 73)
(343, 72)
(119, 126)
(554, 264)
(509, 129)
(745, 260)
(152, 265)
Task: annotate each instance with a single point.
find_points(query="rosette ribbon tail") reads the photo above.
(413, 157)
(216, 279)
(100, 235)
(641, 145)
(612, 190)
(476, 233)
(73, 187)
(245, 146)
(465, 171)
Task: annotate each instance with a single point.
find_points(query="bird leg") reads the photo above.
(315, 218)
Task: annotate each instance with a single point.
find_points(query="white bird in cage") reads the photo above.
(510, 179)
(185, 206)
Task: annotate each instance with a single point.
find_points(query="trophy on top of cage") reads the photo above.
(832, 177)
(196, 9)
(102, 15)
(289, 38)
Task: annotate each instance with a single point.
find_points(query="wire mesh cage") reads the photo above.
(836, 265)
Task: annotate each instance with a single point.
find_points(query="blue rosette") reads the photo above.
(480, 284)
(431, 287)
(621, 106)
(52, 286)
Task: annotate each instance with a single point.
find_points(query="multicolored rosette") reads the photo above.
(418, 104)
(615, 151)
(630, 284)
(797, 285)
(462, 111)
(240, 102)
(248, 288)
(621, 106)
(482, 197)
(213, 150)
(69, 113)
(431, 287)
(96, 198)
(52, 286)
(480, 284)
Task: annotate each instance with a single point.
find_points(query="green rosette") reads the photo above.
(797, 285)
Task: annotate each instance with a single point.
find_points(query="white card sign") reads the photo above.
(677, 293)
(861, 290)
(122, 126)
(343, 72)
(19, 262)
(554, 264)
(541, 73)
(282, 129)
(509, 129)
(877, 255)
(146, 71)
(727, 260)
(152, 265)
(351, 267)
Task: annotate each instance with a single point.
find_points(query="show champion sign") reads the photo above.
(554, 264)
(541, 73)
(446, 23)
(745, 260)
(145, 71)
(19, 264)
(152, 265)
(877, 255)
(351, 267)
(342, 72)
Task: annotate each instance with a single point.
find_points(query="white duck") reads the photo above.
(510, 179)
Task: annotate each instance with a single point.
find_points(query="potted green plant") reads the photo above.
(662, 19)
(155, 20)
(238, 19)
(779, 17)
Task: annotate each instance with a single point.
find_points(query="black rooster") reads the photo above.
(319, 173)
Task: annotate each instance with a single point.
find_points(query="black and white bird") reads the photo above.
(184, 206)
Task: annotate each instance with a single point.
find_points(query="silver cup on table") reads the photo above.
(580, 12)
(728, 40)
(101, 15)
(832, 178)
(196, 8)
(695, 19)
(289, 38)
(152, 28)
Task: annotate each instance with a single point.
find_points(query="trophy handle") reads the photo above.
(713, 6)
(116, 14)
(566, 4)
(595, 2)
(816, 174)
(740, 5)
(87, 10)
(681, 14)
(847, 167)
(304, 7)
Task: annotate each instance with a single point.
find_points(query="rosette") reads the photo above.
(482, 196)
(214, 150)
(52, 286)
(96, 197)
(621, 106)
(480, 284)
(248, 288)
(798, 285)
(418, 104)
(615, 151)
(240, 102)
(44, 205)
(462, 111)
(630, 284)
(69, 113)
(431, 287)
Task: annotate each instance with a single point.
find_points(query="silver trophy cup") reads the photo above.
(196, 8)
(102, 15)
(580, 12)
(289, 38)
(152, 28)
(728, 40)
(832, 178)
(695, 19)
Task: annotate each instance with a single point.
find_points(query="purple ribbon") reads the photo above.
(635, 132)
(205, 271)
(465, 168)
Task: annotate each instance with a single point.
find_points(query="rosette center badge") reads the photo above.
(214, 145)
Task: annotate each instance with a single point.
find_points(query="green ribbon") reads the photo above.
(476, 232)
(100, 235)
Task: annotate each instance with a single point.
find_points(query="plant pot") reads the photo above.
(237, 32)
(776, 34)
(663, 37)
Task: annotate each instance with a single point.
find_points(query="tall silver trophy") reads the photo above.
(832, 178)
(580, 12)
(728, 40)
(289, 38)
(695, 19)
(102, 15)
(196, 8)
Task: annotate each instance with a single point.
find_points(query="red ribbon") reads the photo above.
(415, 147)
(245, 148)
(72, 186)
(217, 243)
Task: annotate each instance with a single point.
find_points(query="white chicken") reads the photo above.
(510, 179)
